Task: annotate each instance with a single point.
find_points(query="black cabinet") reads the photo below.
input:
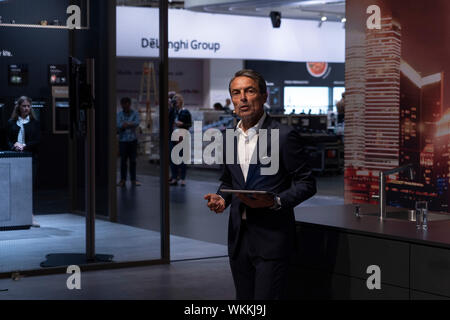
(430, 270)
(312, 284)
(349, 254)
(332, 264)
(418, 295)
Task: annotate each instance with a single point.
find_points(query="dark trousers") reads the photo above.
(176, 170)
(128, 151)
(256, 278)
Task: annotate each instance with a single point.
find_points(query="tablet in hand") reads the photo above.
(246, 191)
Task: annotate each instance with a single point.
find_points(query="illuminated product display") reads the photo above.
(57, 74)
(18, 74)
(299, 100)
(307, 100)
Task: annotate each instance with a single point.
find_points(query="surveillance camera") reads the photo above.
(275, 16)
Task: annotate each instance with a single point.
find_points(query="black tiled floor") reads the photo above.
(208, 279)
(139, 206)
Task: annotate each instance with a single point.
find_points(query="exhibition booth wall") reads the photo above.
(34, 62)
(204, 82)
(280, 54)
(217, 36)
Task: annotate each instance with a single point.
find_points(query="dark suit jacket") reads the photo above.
(185, 116)
(32, 135)
(172, 116)
(271, 233)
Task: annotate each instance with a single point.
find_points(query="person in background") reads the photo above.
(340, 106)
(24, 134)
(127, 122)
(183, 121)
(218, 106)
(332, 119)
(228, 107)
(173, 113)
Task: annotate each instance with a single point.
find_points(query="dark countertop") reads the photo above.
(12, 154)
(341, 217)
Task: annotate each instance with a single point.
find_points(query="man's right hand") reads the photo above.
(215, 202)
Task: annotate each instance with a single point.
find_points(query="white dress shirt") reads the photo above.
(246, 148)
(20, 122)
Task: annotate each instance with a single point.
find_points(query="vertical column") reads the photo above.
(164, 128)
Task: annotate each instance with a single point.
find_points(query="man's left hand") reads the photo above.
(257, 200)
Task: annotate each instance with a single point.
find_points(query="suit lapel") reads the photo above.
(235, 167)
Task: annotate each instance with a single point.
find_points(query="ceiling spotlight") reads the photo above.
(275, 16)
(343, 20)
(322, 20)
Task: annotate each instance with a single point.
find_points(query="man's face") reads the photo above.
(126, 107)
(248, 101)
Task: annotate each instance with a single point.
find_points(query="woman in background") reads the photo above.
(24, 133)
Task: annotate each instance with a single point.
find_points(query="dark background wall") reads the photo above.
(40, 47)
(37, 48)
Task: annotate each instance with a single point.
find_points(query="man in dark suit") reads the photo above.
(261, 230)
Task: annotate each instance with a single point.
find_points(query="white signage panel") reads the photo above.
(210, 36)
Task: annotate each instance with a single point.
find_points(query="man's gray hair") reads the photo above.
(252, 74)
